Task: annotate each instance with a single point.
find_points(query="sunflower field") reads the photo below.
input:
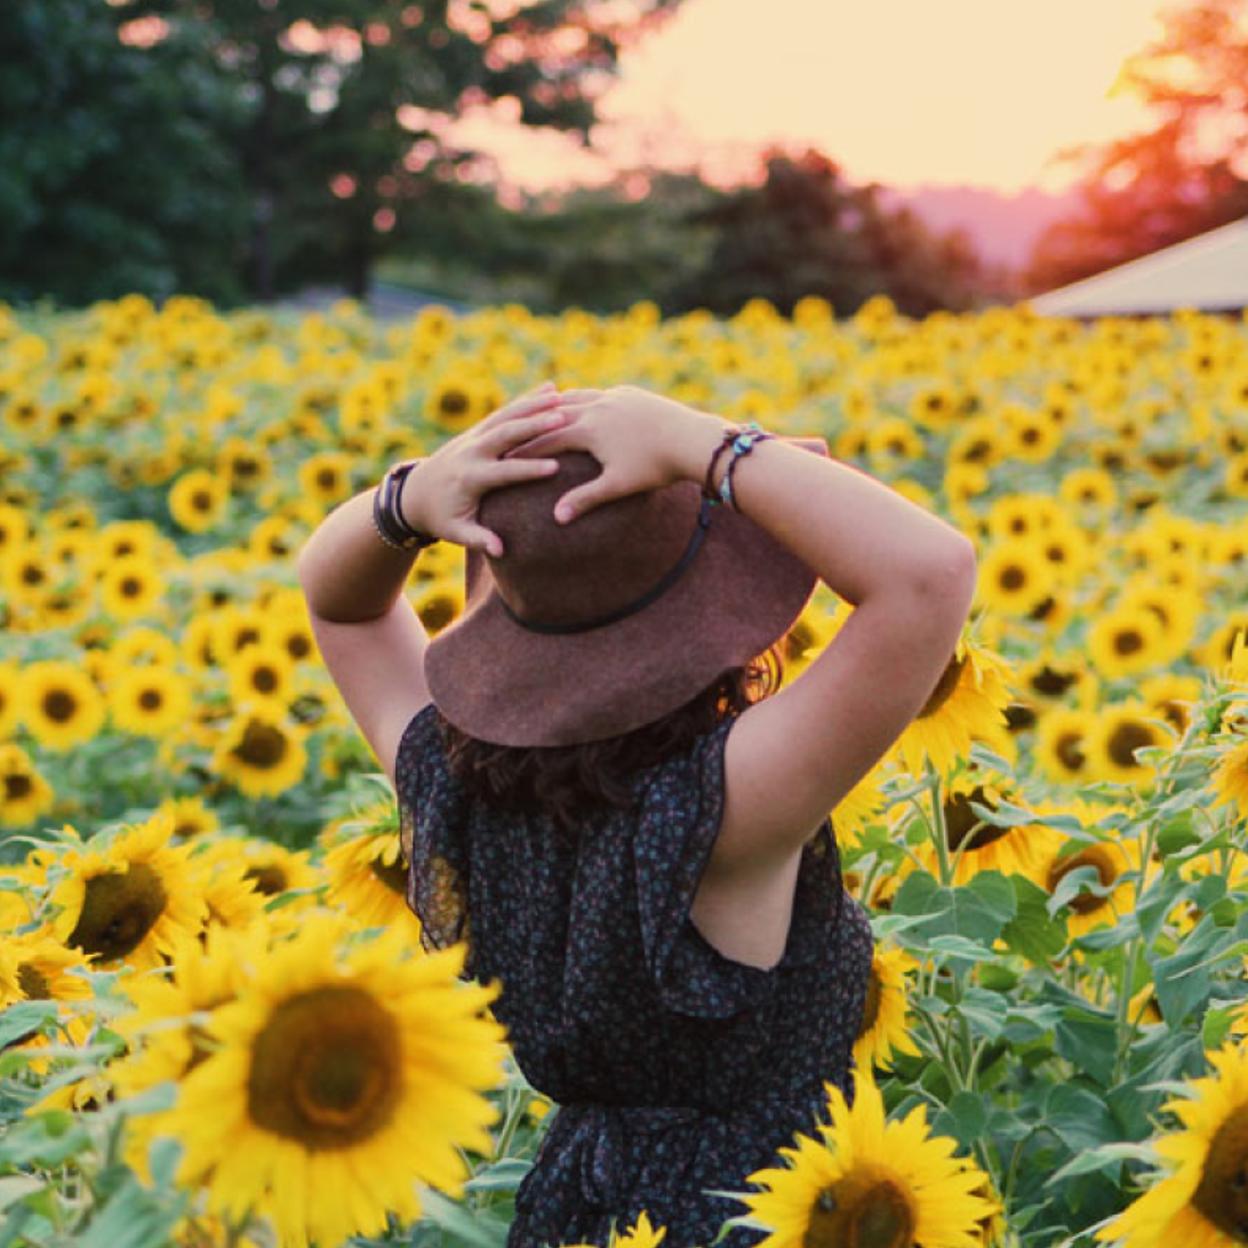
(217, 1023)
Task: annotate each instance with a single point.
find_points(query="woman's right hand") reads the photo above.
(633, 433)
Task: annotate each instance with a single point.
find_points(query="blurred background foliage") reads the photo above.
(244, 149)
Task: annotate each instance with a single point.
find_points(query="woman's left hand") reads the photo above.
(441, 497)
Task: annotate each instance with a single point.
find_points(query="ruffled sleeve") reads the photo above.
(433, 816)
(681, 812)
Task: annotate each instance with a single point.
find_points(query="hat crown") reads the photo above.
(553, 573)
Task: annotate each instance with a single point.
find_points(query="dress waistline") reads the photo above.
(591, 1139)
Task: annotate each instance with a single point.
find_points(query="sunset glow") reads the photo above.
(898, 91)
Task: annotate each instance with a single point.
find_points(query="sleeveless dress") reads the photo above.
(676, 1069)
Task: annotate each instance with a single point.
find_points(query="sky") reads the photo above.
(978, 92)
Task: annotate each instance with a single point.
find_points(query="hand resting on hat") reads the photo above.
(444, 492)
(632, 433)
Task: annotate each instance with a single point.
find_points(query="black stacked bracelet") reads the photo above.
(388, 519)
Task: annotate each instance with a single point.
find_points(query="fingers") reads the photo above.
(535, 400)
(505, 436)
(476, 537)
(544, 444)
(583, 498)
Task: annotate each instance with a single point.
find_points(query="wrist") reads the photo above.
(411, 498)
(695, 441)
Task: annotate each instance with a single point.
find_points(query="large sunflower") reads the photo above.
(1199, 1197)
(368, 877)
(969, 701)
(127, 902)
(262, 751)
(1119, 731)
(1112, 859)
(870, 1181)
(332, 1063)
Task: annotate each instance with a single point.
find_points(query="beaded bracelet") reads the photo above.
(741, 442)
(388, 519)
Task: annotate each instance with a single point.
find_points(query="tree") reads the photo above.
(113, 177)
(1156, 188)
(805, 231)
(350, 104)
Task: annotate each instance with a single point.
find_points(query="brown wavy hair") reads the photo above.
(569, 782)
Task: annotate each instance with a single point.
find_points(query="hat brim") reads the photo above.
(500, 682)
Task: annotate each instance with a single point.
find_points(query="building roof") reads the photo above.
(1208, 272)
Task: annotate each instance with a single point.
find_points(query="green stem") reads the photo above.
(940, 833)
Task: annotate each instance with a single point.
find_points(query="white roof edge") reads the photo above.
(1156, 261)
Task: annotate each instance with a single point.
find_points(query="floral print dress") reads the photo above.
(677, 1070)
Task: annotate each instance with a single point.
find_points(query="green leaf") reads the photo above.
(1104, 1157)
(25, 1017)
(462, 1225)
(13, 1187)
(1088, 1042)
(45, 1139)
(1216, 1025)
(504, 1175)
(1079, 1117)
(964, 1118)
(1033, 932)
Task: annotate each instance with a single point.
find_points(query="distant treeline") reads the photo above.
(235, 150)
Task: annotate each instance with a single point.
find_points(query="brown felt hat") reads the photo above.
(589, 629)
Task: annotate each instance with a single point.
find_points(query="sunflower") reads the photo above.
(1056, 679)
(1197, 1197)
(191, 817)
(331, 1062)
(1112, 859)
(974, 845)
(1173, 697)
(1118, 731)
(198, 500)
(204, 974)
(968, 700)
(1230, 779)
(143, 645)
(439, 605)
(450, 403)
(60, 704)
(261, 752)
(127, 902)
(130, 587)
(1126, 641)
(1014, 577)
(149, 701)
(326, 477)
(890, 1184)
(261, 672)
(24, 794)
(368, 877)
(1060, 746)
(863, 804)
(884, 1030)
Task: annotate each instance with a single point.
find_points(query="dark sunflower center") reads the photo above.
(262, 745)
(393, 876)
(325, 1070)
(1013, 578)
(131, 586)
(1083, 903)
(150, 699)
(270, 878)
(264, 679)
(59, 705)
(16, 786)
(1041, 610)
(201, 500)
(118, 911)
(1050, 683)
(945, 686)
(1125, 740)
(437, 612)
(454, 402)
(327, 479)
(1068, 752)
(960, 819)
(1019, 716)
(1222, 1195)
(33, 982)
(863, 1212)
(1128, 641)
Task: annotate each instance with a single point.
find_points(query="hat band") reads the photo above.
(661, 587)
